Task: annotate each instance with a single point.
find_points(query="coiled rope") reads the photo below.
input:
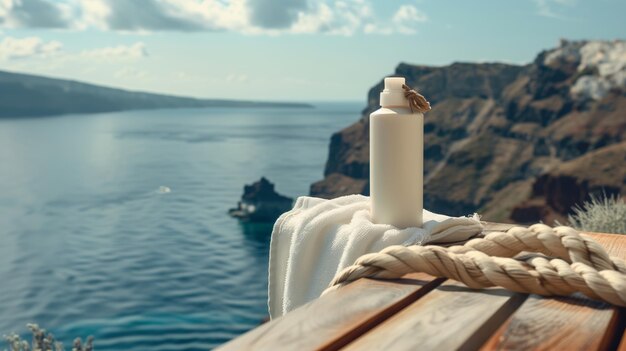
(563, 262)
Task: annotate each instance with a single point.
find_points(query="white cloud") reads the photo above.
(545, 8)
(407, 17)
(93, 14)
(35, 13)
(20, 48)
(342, 18)
(121, 52)
(144, 15)
(404, 21)
(13, 49)
(409, 14)
(276, 14)
(271, 17)
(371, 28)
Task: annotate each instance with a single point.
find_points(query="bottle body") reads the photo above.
(396, 166)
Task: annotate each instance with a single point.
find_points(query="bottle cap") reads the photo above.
(393, 94)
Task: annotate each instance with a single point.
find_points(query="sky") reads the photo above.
(282, 50)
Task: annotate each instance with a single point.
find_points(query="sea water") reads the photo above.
(115, 225)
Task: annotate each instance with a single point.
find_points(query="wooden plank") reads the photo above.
(615, 244)
(464, 319)
(451, 316)
(448, 318)
(572, 323)
(554, 324)
(337, 318)
(622, 344)
(362, 305)
(617, 341)
(366, 308)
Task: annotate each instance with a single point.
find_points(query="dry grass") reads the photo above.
(43, 341)
(601, 214)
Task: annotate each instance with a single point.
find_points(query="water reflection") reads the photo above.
(258, 232)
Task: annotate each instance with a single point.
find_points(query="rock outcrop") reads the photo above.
(261, 203)
(515, 143)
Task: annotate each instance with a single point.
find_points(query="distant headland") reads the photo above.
(24, 95)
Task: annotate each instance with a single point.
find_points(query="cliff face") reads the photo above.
(501, 138)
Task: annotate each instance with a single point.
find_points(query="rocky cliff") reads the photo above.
(261, 203)
(515, 143)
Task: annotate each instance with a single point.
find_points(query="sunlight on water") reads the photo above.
(164, 190)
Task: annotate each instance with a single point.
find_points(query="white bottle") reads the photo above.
(396, 159)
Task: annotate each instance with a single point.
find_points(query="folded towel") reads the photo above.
(318, 238)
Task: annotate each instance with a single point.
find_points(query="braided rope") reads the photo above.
(563, 262)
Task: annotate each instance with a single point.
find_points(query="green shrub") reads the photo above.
(43, 341)
(601, 214)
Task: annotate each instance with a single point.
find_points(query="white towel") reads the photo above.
(318, 238)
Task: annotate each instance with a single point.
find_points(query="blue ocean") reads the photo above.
(115, 225)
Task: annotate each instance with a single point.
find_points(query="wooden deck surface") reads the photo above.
(427, 313)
